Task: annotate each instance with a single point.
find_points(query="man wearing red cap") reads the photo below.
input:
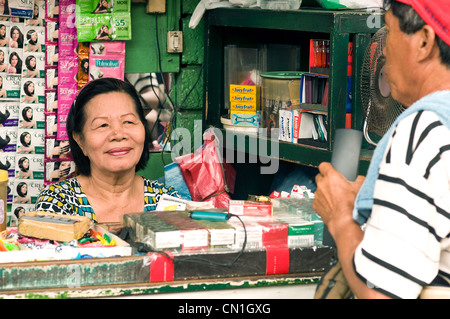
(392, 227)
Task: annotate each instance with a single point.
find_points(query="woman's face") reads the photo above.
(15, 35)
(14, 60)
(2, 30)
(29, 113)
(26, 163)
(113, 136)
(27, 138)
(24, 188)
(33, 62)
(2, 56)
(33, 36)
(31, 88)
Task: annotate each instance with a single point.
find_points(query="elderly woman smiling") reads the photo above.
(109, 139)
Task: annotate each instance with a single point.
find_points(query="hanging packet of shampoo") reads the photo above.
(20, 8)
(103, 27)
(107, 60)
(103, 6)
(110, 66)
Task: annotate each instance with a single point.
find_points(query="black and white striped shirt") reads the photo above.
(406, 244)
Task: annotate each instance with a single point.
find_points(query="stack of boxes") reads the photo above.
(245, 105)
(285, 223)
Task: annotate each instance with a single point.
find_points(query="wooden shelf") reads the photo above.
(312, 20)
(296, 153)
(227, 26)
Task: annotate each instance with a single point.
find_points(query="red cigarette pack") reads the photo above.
(249, 208)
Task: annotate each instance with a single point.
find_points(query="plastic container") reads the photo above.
(279, 90)
(3, 194)
(241, 68)
(281, 4)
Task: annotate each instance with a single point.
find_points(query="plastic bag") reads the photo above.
(353, 4)
(201, 8)
(245, 3)
(207, 175)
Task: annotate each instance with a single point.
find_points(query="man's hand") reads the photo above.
(335, 195)
(334, 201)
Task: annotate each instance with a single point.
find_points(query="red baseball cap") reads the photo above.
(435, 13)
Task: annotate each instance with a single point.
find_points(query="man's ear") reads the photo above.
(426, 43)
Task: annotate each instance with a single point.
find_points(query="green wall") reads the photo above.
(143, 56)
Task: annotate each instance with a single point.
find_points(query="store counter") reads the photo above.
(130, 269)
(147, 274)
(292, 286)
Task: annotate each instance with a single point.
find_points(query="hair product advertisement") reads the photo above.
(107, 59)
(43, 65)
(22, 95)
(103, 20)
(21, 8)
(104, 27)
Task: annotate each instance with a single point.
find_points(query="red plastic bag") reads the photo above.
(207, 175)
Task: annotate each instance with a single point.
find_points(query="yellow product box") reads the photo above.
(244, 98)
(247, 107)
(244, 89)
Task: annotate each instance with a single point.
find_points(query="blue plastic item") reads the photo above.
(174, 178)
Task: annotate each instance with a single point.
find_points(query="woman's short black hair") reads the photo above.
(29, 34)
(76, 119)
(17, 210)
(25, 88)
(19, 189)
(27, 62)
(24, 114)
(410, 22)
(20, 163)
(22, 139)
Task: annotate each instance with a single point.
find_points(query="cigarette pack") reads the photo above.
(152, 231)
(221, 234)
(193, 235)
(274, 233)
(168, 229)
(252, 232)
(300, 232)
(249, 208)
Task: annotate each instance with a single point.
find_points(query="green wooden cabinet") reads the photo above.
(252, 26)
